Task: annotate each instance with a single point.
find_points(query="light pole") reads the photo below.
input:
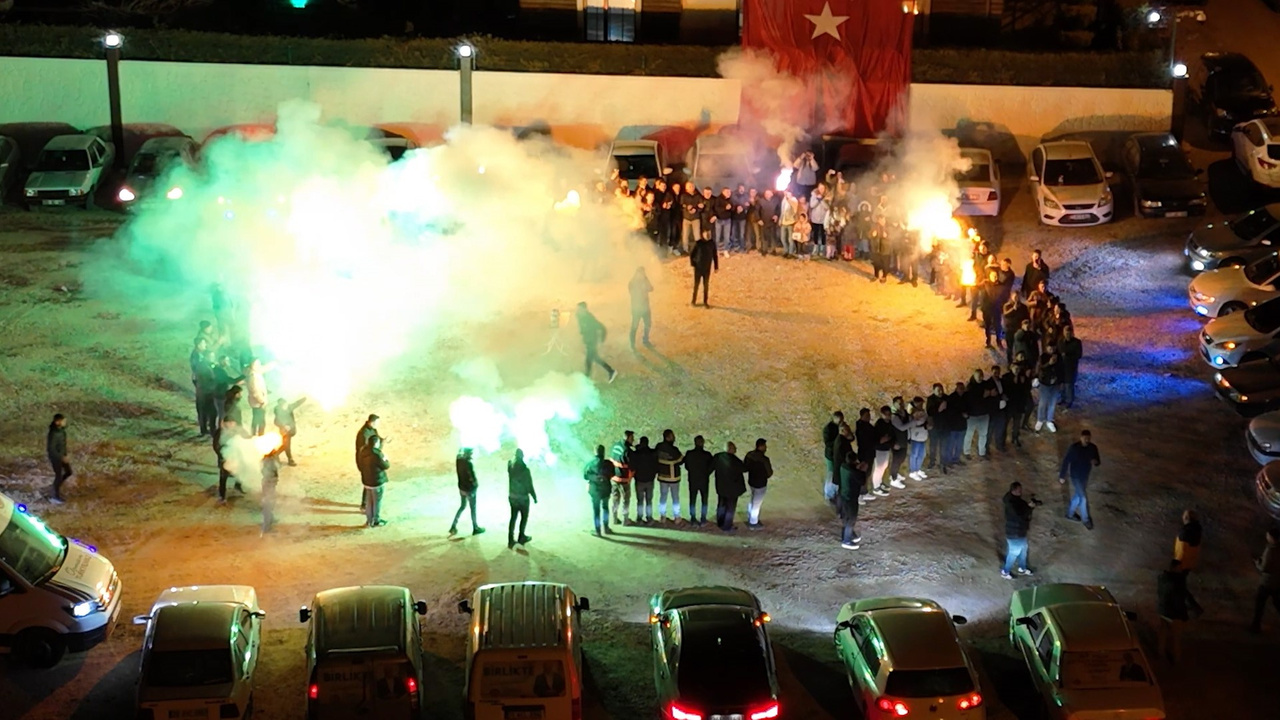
(111, 43)
(466, 53)
(1177, 69)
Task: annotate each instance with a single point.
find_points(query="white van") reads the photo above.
(524, 652)
(55, 595)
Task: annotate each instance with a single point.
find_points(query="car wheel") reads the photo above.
(1251, 356)
(1230, 307)
(39, 647)
(88, 201)
(248, 708)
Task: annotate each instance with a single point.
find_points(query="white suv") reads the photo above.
(69, 170)
(1069, 184)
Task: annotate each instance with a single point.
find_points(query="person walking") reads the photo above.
(883, 434)
(270, 479)
(731, 484)
(55, 445)
(599, 474)
(1070, 349)
(698, 464)
(1081, 458)
(373, 472)
(669, 461)
(853, 480)
(593, 334)
(1268, 566)
(1017, 521)
(519, 491)
(368, 430)
(703, 258)
(287, 425)
(830, 433)
(759, 470)
(1186, 550)
(1049, 380)
(1172, 606)
(644, 463)
(467, 486)
(620, 493)
(640, 287)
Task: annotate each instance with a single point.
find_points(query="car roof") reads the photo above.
(70, 142)
(1229, 61)
(193, 626)
(1067, 150)
(920, 638)
(1092, 626)
(367, 617)
(230, 594)
(522, 615)
(169, 143)
(706, 595)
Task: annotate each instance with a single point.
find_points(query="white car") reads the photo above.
(1228, 289)
(980, 184)
(1069, 184)
(1239, 337)
(68, 171)
(1256, 147)
(1263, 438)
(635, 159)
(1083, 655)
(199, 653)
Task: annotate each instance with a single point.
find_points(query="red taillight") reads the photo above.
(576, 708)
(765, 713)
(679, 713)
(889, 705)
(992, 196)
(971, 702)
(313, 692)
(411, 685)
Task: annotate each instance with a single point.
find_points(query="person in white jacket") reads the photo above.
(918, 437)
(256, 387)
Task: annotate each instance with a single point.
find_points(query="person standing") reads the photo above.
(864, 437)
(1049, 380)
(977, 404)
(1070, 349)
(998, 426)
(468, 483)
(753, 223)
(806, 174)
(878, 242)
(770, 209)
(644, 463)
(956, 422)
(741, 205)
(884, 450)
(202, 377)
(819, 212)
(227, 429)
(843, 449)
(698, 464)
(1268, 566)
(593, 334)
(55, 445)
(368, 430)
(788, 215)
(901, 421)
(669, 460)
(1186, 550)
(1172, 606)
(722, 219)
(620, 493)
(1017, 521)
(759, 470)
(256, 386)
(853, 480)
(935, 407)
(917, 438)
(287, 425)
(691, 210)
(830, 433)
(1081, 458)
(730, 485)
(703, 258)
(270, 479)
(1036, 272)
(1011, 316)
(599, 474)
(640, 287)
(1017, 396)
(373, 472)
(519, 490)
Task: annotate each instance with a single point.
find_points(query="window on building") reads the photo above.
(611, 20)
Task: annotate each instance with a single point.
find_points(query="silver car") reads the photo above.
(1267, 488)
(1263, 438)
(1231, 339)
(979, 185)
(69, 170)
(1231, 289)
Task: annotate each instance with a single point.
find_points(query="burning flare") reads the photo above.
(268, 443)
(570, 203)
(784, 180)
(968, 275)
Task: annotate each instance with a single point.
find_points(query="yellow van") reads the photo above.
(524, 652)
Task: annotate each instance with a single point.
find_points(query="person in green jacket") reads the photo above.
(519, 490)
(599, 474)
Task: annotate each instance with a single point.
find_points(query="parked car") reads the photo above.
(10, 165)
(1255, 146)
(155, 158)
(1069, 184)
(719, 161)
(364, 653)
(635, 159)
(1263, 438)
(1161, 179)
(55, 594)
(980, 184)
(1250, 388)
(903, 658)
(1234, 288)
(1267, 488)
(393, 144)
(199, 653)
(711, 655)
(1240, 337)
(1236, 241)
(69, 170)
(1084, 656)
(1234, 91)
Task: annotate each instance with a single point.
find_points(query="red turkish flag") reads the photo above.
(854, 56)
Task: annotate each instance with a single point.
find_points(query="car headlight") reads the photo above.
(1051, 203)
(1198, 201)
(1228, 345)
(126, 195)
(1217, 378)
(30, 192)
(75, 191)
(1151, 203)
(1106, 199)
(85, 608)
(1203, 253)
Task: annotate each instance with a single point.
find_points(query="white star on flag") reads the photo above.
(826, 23)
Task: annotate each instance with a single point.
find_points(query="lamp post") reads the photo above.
(1177, 69)
(466, 53)
(111, 43)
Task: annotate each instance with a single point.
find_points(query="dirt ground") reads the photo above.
(784, 344)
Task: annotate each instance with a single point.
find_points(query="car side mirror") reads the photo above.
(304, 614)
(959, 620)
(584, 605)
(259, 614)
(1131, 614)
(1024, 621)
(844, 625)
(666, 171)
(1034, 178)
(141, 619)
(464, 607)
(420, 607)
(1109, 174)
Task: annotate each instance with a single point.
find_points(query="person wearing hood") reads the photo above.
(55, 446)
(669, 460)
(519, 491)
(644, 463)
(373, 472)
(698, 466)
(467, 486)
(730, 485)
(599, 475)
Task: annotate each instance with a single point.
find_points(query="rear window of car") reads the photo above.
(979, 172)
(723, 665)
(929, 683)
(189, 668)
(63, 161)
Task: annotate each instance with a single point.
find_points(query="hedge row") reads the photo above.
(929, 65)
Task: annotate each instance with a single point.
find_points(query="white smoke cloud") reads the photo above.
(773, 98)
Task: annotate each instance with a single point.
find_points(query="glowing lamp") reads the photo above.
(1179, 70)
(126, 195)
(1154, 17)
(112, 41)
(783, 181)
(465, 50)
(298, 4)
(968, 275)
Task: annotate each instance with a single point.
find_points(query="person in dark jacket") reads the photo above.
(1017, 395)
(731, 484)
(222, 435)
(853, 480)
(1026, 340)
(1012, 314)
(1049, 380)
(373, 472)
(55, 445)
(468, 483)
(843, 449)
(703, 258)
(669, 461)
(368, 430)
(519, 490)
(698, 466)
(759, 470)
(623, 474)
(770, 210)
(1037, 271)
(233, 404)
(977, 410)
(1186, 550)
(639, 288)
(1070, 349)
(935, 407)
(1081, 458)
(599, 474)
(1172, 605)
(955, 423)
(644, 463)
(692, 205)
(883, 435)
(1017, 521)
(864, 435)
(593, 334)
(287, 425)
(830, 432)
(722, 211)
(205, 380)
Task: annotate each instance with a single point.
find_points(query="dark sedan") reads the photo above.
(711, 655)
(1267, 489)
(1162, 180)
(1234, 91)
(1251, 388)
(1237, 241)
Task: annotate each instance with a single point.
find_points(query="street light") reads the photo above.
(1154, 17)
(466, 53)
(112, 42)
(1179, 71)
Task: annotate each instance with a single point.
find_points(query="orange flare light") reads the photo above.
(268, 443)
(968, 276)
(784, 180)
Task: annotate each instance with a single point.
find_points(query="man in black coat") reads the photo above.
(1036, 271)
(519, 490)
(598, 473)
(1070, 349)
(830, 432)
(853, 480)
(703, 258)
(955, 423)
(759, 470)
(593, 333)
(644, 464)
(368, 430)
(1017, 521)
(770, 208)
(55, 446)
(467, 486)
(373, 473)
(698, 466)
(864, 433)
(842, 449)
(730, 485)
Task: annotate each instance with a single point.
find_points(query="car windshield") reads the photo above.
(1165, 163)
(1078, 171)
(1103, 669)
(979, 172)
(63, 161)
(929, 683)
(1260, 271)
(1264, 318)
(30, 548)
(633, 167)
(150, 163)
(722, 166)
(189, 668)
(724, 664)
(1251, 225)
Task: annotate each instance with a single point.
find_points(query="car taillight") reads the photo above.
(971, 702)
(765, 713)
(679, 713)
(411, 685)
(1266, 165)
(897, 707)
(576, 708)
(992, 196)
(228, 710)
(313, 692)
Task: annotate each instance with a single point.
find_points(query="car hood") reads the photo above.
(1130, 702)
(1266, 428)
(139, 183)
(200, 694)
(1076, 194)
(1218, 237)
(1170, 189)
(1248, 105)
(1254, 377)
(83, 575)
(58, 180)
(977, 184)
(1230, 327)
(1219, 281)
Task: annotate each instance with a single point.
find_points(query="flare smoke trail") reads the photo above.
(773, 98)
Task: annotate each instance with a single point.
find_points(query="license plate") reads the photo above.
(1079, 216)
(522, 714)
(1179, 213)
(55, 202)
(181, 714)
